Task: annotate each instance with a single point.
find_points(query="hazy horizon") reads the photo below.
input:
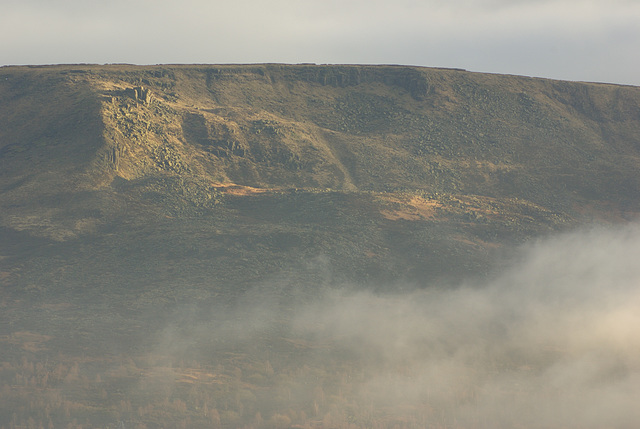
(574, 40)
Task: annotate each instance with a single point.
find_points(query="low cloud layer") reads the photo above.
(551, 341)
(565, 39)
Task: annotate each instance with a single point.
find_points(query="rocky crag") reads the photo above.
(382, 172)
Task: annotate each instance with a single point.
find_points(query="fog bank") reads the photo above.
(551, 341)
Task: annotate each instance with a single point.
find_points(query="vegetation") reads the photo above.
(130, 194)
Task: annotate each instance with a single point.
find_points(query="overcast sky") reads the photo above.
(584, 40)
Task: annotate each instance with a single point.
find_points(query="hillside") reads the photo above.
(280, 160)
(127, 192)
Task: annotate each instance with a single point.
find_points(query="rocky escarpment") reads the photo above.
(383, 128)
(409, 79)
(245, 171)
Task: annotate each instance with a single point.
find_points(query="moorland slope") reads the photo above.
(380, 171)
(163, 227)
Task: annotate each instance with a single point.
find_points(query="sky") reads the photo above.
(579, 40)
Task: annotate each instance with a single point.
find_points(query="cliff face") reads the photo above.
(380, 171)
(386, 128)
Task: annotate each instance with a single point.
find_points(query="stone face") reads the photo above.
(140, 94)
(145, 95)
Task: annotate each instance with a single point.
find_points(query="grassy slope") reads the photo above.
(500, 158)
(117, 211)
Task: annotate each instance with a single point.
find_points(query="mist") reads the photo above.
(551, 340)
